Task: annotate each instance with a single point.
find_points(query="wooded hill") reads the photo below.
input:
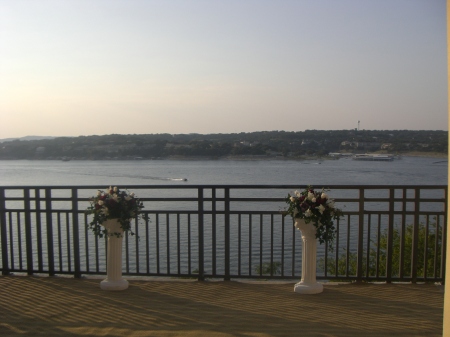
(280, 144)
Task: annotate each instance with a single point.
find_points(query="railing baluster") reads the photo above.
(136, 243)
(402, 237)
(168, 243)
(60, 242)
(97, 255)
(389, 254)
(157, 244)
(293, 230)
(227, 234)
(239, 244)
(425, 252)
(28, 234)
(49, 223)
(86, 244)
(213, 232)
(38, 229)
(359, 268)
(378, 246)
(347, 262)
(436, 247)
(369, 222)
(127, 255)
(189, 244)
(201, 267)
(76, 234)
(11, 240)
(250, 224)
(282, 244)
(69, 258)
(260, 244)
(147, 246)
(444, 237)
(336, 247)
(415, 240)
(271, 245)
(178, 244)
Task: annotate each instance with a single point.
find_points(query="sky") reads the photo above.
(95, 67)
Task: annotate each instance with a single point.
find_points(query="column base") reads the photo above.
(312, 288)
(121, 284)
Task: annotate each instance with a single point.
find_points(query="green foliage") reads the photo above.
(292, 144)
(268, 268)
(426, 254)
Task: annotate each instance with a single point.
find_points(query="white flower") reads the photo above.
(100, 202)
(310, 195)
(313, 199)
(308, 213)
(132, 194)
(292, 199)
(115, 189)
(321, 208)
(324, 195)
(297, 193)
(99, 193)
(128, 198)
(105, 211)
(115, 197)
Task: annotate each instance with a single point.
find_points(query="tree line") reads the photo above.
(265, 143)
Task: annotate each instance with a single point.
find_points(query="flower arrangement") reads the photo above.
(113, 204)
(317, 208)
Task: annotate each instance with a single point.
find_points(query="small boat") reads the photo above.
(373, 157)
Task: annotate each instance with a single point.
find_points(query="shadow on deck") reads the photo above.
(59, 306)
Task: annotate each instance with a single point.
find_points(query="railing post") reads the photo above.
(76, 234)
(359, 271)
(3, 233)
(201, 271)
(49, 223)
(415, 239)
(28, 233)
(390, 241)
(227, 234)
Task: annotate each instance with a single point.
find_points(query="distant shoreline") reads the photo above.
(312, 157)
(436, 155)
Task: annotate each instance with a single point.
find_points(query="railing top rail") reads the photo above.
(241, 186)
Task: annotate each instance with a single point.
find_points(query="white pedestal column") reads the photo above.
(114, 280)
(308, 283)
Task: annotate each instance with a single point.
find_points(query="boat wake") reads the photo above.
(117, 175)
(147, 177)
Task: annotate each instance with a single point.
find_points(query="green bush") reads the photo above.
(425, 241)
(268, 268)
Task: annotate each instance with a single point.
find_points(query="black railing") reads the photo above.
(388, 233)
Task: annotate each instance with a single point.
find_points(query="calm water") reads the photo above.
(408, 171)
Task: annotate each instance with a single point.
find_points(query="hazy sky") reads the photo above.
(84, 67)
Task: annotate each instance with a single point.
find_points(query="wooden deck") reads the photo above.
(60, 306)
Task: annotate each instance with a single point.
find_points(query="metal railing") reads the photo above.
(388, 233)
